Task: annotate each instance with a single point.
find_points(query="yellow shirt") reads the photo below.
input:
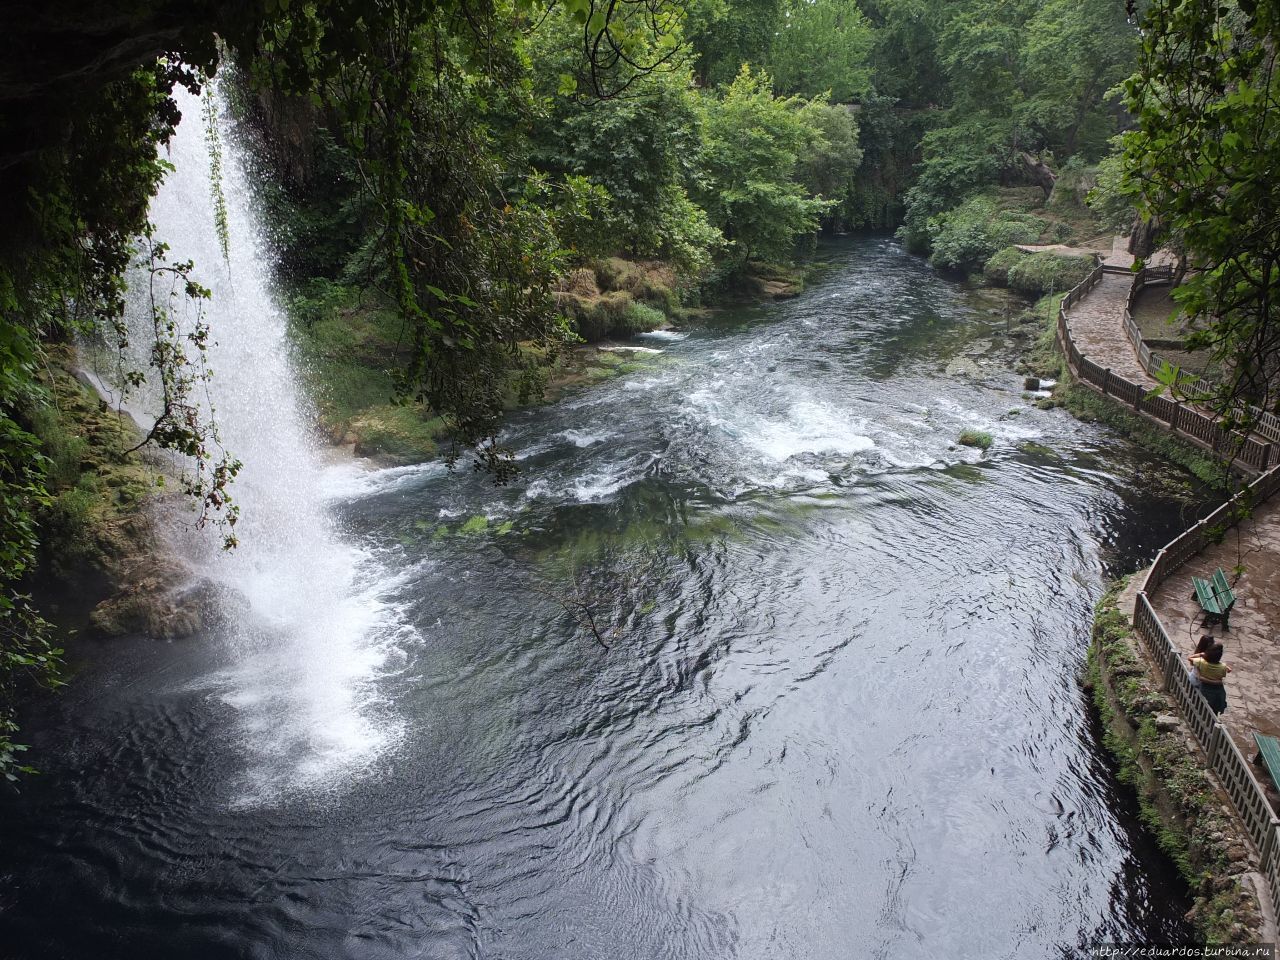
(1213, 672)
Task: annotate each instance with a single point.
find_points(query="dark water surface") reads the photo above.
(841, 716)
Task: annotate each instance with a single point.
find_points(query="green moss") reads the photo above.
(474, 526)
(976, 438)
(1041, 273)
(996, 269)
(1089, 406)
(400, 433)
(96, 490)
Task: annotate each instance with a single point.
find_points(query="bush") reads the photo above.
(966, 237)
(639, 318)
(996, 270)
(653, 282)
(595, 318)
(1042, 273)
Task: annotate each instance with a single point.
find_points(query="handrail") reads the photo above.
(1222, 754)
(1244, 452)
(1263, 423)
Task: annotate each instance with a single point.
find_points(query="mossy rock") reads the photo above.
(996, 270)
(474, 526)
(1040, 273)
(399, 433)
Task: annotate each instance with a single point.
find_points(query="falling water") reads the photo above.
(306, 630)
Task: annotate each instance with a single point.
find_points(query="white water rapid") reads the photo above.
(307, 632)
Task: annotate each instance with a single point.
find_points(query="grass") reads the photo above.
(976, 438)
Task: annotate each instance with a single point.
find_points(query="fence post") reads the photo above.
(1266, 455)
(1219, 731)
(1106, 380)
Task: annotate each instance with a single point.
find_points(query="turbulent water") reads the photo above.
(836, 711)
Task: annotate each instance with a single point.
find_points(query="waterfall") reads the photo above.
(308, 634)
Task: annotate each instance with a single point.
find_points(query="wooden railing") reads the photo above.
(1250, 455)
(1221, 751)
(1222, 754)
(1262, 423)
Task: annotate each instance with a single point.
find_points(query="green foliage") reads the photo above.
(1110, 200)
(976, 438)
(727, 35)
(822, 47)
(956, 160)
(1202, 164)
(1041, 273)
(1029, 80)
(641, 150)
(996, 269)
(965, 237)
(831, 169)
(753, 145)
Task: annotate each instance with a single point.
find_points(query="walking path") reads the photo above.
(1252, 645)
(1097, 327)
(1167, 618)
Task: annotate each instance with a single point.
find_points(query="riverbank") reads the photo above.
(349, 347)
(104, 564)
(1045, 361)
(1181, 804)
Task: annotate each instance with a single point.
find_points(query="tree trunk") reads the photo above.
(1039, 173)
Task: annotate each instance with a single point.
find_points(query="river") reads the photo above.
(839, 712)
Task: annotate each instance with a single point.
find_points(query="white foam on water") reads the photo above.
(310, 631)
(583, 438)
(623, 348)
(808, 428)
(356, 481)
(670, 336)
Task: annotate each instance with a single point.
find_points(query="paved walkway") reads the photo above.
(1253, 640)
(1097, 327)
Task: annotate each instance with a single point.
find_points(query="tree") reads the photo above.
(1202, 164)
(822, 46)
(753, 145)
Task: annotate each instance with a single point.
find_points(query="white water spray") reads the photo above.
(309, 632)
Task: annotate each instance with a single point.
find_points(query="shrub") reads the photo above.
(581, 282)
(595, 318)
(1042, 273)
(639, 317)
(965, 237)
(996, 270)
(651, 281)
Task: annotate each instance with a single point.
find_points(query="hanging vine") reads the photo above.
(213, 141)
(178, 357)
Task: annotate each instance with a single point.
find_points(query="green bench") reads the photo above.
(1215, 597)
(1269, 754)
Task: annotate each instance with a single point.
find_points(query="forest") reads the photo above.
(483, 184)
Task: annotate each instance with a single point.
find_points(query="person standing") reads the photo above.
(1209, 673)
